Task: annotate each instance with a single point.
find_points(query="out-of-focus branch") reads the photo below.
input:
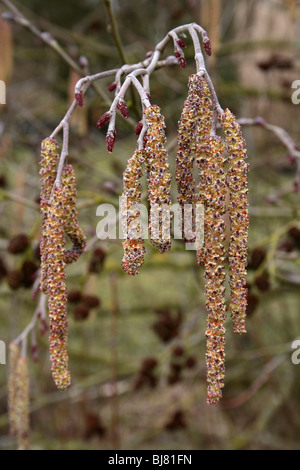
(283, 136)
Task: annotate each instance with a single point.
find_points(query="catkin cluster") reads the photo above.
(59, 218)
(196, 138)
(18, 396)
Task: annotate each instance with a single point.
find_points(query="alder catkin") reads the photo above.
(239, 218)
(159, 180)
(49, 159)
(133, 245)
(13, 356)
(70, 216)
(195, 122)
(204, 125)
(57, 290)
(212, 160)
(22, 403)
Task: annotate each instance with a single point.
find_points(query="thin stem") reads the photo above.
(40, 311)
(115, 30)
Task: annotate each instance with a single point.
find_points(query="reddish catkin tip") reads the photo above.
(139, 128)
(180, 57)
(112, 87)
(290, 158)
(122, 107)
(79, 98)
(104, 119)
(182, 62)
(207, 47)
(181, 43)
(110, 140)
(34, 353)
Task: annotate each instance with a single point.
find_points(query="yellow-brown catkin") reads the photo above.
(204, 125)
(159, 179)
(211, 160)
(133, 245)
(13, 356)
(239, 218)
(57, 290)
(187, 127)
(70, 220)
(49, 159)
(22, 403)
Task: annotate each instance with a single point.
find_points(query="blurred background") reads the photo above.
(137, 344)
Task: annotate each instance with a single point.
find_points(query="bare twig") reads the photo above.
(283, 136)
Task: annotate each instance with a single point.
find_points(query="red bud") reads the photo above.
(104, 119)
(122, 106)
(207, 47)
(79, 98)
(181, 43)
(139, 128)
(110, 140)
(112, 86)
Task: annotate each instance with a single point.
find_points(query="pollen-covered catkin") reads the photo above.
(13, 356)
(70, 218)
(22, 403)
(239, 218)
(204, 125)
(57, 290)
(186, 153)
(159, 179)
(49, 159)
(211, 159)
(133, 245)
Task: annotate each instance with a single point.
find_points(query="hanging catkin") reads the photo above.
(239, 218)
(204, 125)
(18, 396)
(185, 180)
(57, 290)
(133, 245)
(70, 219)
(14, 353)
(49, 159)
(212, 160)
(159, 179)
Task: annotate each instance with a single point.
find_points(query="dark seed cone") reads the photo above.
(57, 291)
(196, 115)
(49, 159)
(239, 218)
(211, 150)
(133, 245)
(159, 180)
(70, 218)
(18, 243)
